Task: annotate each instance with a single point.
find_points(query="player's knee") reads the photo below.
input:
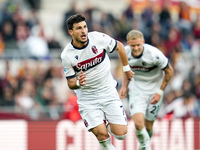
(102, 136)
(139, 125)
(120, 137)
(120, 132)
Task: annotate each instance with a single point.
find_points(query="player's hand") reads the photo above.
(123, 92)
(129, 74)
(155, 99)
(82, 79)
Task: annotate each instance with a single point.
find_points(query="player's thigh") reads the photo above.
(152, 110)
(100, 132)
(114, 112)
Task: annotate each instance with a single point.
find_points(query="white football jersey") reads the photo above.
(148, 69)
(93, 60)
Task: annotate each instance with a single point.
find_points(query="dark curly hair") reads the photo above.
(74, 19)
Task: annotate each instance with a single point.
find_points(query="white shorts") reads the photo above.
(140, 103)
(97, 111)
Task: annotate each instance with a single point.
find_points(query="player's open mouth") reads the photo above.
(83, 36)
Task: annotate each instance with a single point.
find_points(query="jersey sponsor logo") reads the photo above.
(142, 69)
(94, 49)
(90, 63)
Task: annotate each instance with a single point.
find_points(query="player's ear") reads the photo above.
(127, 42)
(70, 32)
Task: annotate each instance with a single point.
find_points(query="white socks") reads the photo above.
(144, 139)
(106, 145)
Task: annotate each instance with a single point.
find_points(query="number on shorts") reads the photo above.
(153, 111)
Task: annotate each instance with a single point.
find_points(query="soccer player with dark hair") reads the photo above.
(87, 69)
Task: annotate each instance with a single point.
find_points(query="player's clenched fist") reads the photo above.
(129, 74)
(82, 79)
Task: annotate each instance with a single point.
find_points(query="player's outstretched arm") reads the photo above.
(75, 84)
(168, 75)
(124, 60)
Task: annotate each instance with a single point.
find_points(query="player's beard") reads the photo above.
(81, 41)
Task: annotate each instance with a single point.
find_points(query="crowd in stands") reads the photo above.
(22, 31)
(39, 89)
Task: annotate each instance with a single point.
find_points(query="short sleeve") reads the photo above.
(110, 44)
(160, 59)
(68, 69)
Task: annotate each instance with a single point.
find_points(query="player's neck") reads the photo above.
(79, 44)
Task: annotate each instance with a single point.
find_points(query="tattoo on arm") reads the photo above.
(167, 79)
(168, 74)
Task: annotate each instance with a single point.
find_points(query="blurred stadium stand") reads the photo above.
(34, 32)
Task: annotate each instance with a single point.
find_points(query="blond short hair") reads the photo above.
(134, 34)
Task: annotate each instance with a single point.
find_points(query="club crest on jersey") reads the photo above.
(94, 49)
(85, 122)
(131, 106)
